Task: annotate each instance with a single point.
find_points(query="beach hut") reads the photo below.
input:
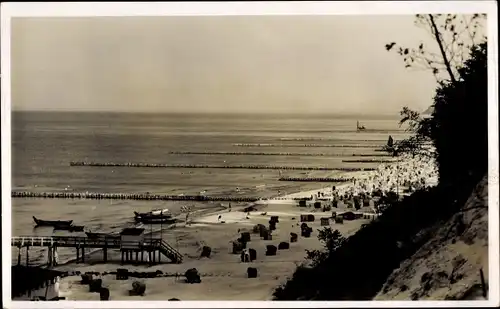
(266, 235)
(317, 205)
(302, 203)
(252, 272)
(306, 233)
(138, 288)
(271, 250)
(95, 285)
(325, 221)
(122, 274)
(258, 228)
(303, 218)
(339, 219)
(238, 247)
(192, 276)
(272, 225)
(253, 254)
(275, 219)
(131, 238)
(245, 237)
(86, 278)
(104, 294)
(310, 218)
(245, 257)
(283, 245)
(263, 231)
(206, 251)
(293, 237)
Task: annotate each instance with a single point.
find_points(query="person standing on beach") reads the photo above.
(229, 207)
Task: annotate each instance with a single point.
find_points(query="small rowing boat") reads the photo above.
(53, 223)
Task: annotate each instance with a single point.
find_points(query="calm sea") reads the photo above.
(44, 143)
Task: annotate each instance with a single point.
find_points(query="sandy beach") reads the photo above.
(223, 275)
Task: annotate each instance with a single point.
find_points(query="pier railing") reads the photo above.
(111, 242)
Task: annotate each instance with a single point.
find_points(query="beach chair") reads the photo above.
(252, 272)
(283, 245)
(293, 237)
(192, 276)
(245, 237)
(122, 274)
(138, 288)
(206, 251)
(95, 285)
(271, 250)
(104, 294)
(325, 221)
(253, 254)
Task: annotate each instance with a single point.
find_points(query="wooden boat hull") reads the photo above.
(39, 222)
(71, 228)
(156, 220)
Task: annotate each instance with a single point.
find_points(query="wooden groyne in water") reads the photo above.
(315, 179)
(257, 167)
(304, 139)
(307, 145)
(296, 154)
(369, 161)
(140, 196)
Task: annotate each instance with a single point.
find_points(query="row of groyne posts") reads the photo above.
(272, 167)
(149, 196)
(144, 196)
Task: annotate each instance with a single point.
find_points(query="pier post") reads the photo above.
(122, 252)
(149, 257)
(137, 256)
(49, 257)
(83, 254)
(19, 255)
(142, 255)
(159, 257)
(77, 254)
(105, 252)
(27, 256)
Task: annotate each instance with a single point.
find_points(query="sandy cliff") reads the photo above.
(448, 265)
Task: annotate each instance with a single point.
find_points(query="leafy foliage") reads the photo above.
(454, 35)
(331, 240)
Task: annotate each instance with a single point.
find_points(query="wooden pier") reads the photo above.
(154, 247)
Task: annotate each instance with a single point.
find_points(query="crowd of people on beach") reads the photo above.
(410, 173)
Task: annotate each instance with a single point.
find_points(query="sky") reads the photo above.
(237, 64)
